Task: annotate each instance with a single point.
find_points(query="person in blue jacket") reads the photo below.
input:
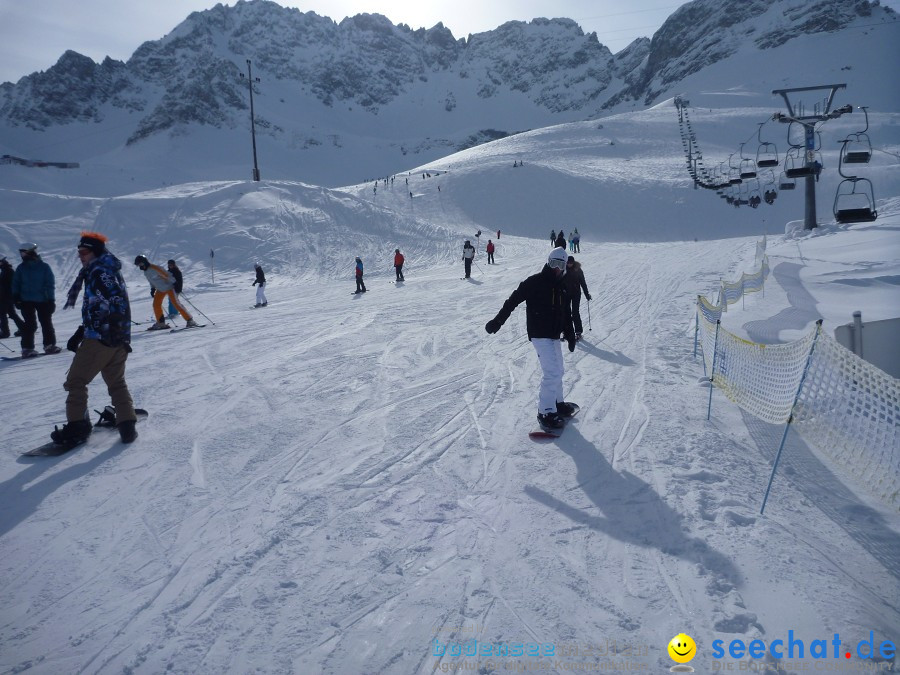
(34, 292)
(360, 285)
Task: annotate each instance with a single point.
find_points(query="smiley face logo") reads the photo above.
(682, 648)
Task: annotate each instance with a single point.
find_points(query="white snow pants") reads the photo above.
(549, 353)
(260, 294)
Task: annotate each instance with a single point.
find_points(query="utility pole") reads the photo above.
(821, 113)
(250, 82)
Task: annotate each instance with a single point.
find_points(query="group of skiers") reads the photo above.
(103, 340)
(559, 240)
(399, 260)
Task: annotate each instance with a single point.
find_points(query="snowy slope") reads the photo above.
(342, 484)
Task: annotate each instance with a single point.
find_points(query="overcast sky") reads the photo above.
(35, 33)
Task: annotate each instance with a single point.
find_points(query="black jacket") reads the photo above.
(6, 278)
(260, 277)
(179, 278)
(574, 281)
(547, 311)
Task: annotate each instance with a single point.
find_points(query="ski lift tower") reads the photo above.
(822, 112)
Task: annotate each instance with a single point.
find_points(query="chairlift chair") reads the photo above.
(748, 169)
(803, 170)
(854, 201)
(766, 153)
(754, 199)
(857, 147)
(785, 183)
(747, 166)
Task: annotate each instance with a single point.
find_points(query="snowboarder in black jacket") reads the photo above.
(547, 316)
(260, 283)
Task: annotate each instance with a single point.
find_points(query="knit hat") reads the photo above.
(94, 242)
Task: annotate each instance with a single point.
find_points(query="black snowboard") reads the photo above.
(52, 449)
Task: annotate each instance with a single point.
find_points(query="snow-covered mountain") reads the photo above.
(339, 103)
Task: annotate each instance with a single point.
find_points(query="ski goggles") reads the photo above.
(557, 264)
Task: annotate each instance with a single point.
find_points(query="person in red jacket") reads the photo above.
(490, 252)
(398, 264)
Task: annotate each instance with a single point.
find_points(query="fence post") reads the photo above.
(712, 372)
(791, 415)
(696, 326)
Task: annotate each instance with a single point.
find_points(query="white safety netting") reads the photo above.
(837, 402)
(762, 379)
(850, 410)
(733, 291)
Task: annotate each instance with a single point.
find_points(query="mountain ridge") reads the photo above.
(326, 87)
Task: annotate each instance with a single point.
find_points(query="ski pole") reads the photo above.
(589, 316)
(5, 347)
(195, 307)
(478, 266)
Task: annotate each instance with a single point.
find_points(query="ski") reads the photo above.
(546, 432)
(18, 357)
(178, 330)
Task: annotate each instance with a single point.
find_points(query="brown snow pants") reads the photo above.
(91, 358)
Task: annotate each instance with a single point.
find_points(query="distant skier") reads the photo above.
(553, 238)
(574, 281)
(547, 316)
(576, 241)
(162, 285)
(468, 257)
(260, 283)
(560, 241)
(490, 252)
(360, 285)
(398, 264)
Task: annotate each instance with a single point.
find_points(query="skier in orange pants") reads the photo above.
(162, 285)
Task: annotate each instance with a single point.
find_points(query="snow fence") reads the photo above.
(836, 401)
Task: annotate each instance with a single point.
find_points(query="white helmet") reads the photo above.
(28, 247)
(557, 259)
